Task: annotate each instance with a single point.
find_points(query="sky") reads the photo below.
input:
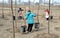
(58, 1)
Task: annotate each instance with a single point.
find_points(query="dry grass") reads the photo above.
(1, 25)
(7, 26)
(46, 35)
(11, 30)
(57, 28)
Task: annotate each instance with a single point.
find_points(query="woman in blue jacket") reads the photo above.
(30, 20)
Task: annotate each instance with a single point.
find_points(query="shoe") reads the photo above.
(27, 31)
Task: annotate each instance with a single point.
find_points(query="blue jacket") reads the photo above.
(30, 17)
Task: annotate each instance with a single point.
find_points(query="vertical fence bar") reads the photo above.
(44, 4)
(38, 13)
(15, 13)
(49, 20)
(24, 18)
(3, 9)
(29, 4)
(13, 19)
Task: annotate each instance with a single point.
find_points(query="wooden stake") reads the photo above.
(29, 4)
(49, 20)
(12, 17)
(15, 13)
(38, 13)
(3, 9)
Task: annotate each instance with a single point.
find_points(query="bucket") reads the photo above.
(37, 26)
(23, 29)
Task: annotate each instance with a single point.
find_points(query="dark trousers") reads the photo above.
(30, 27)
(20, 17)
(51, 17)
(47, 18)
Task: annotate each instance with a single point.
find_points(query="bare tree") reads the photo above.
(40, 1)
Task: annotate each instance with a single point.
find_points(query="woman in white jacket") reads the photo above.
(47, 12)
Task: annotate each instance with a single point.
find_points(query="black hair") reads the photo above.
(29, 10)
(20, 9)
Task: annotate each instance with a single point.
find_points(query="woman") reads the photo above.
(47, 12)
(30, 20)
(20, 13)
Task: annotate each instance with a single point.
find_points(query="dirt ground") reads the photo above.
(6, 25)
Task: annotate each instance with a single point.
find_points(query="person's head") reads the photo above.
(29, 10)
(21, 9)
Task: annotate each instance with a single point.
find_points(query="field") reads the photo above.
(6, 23)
